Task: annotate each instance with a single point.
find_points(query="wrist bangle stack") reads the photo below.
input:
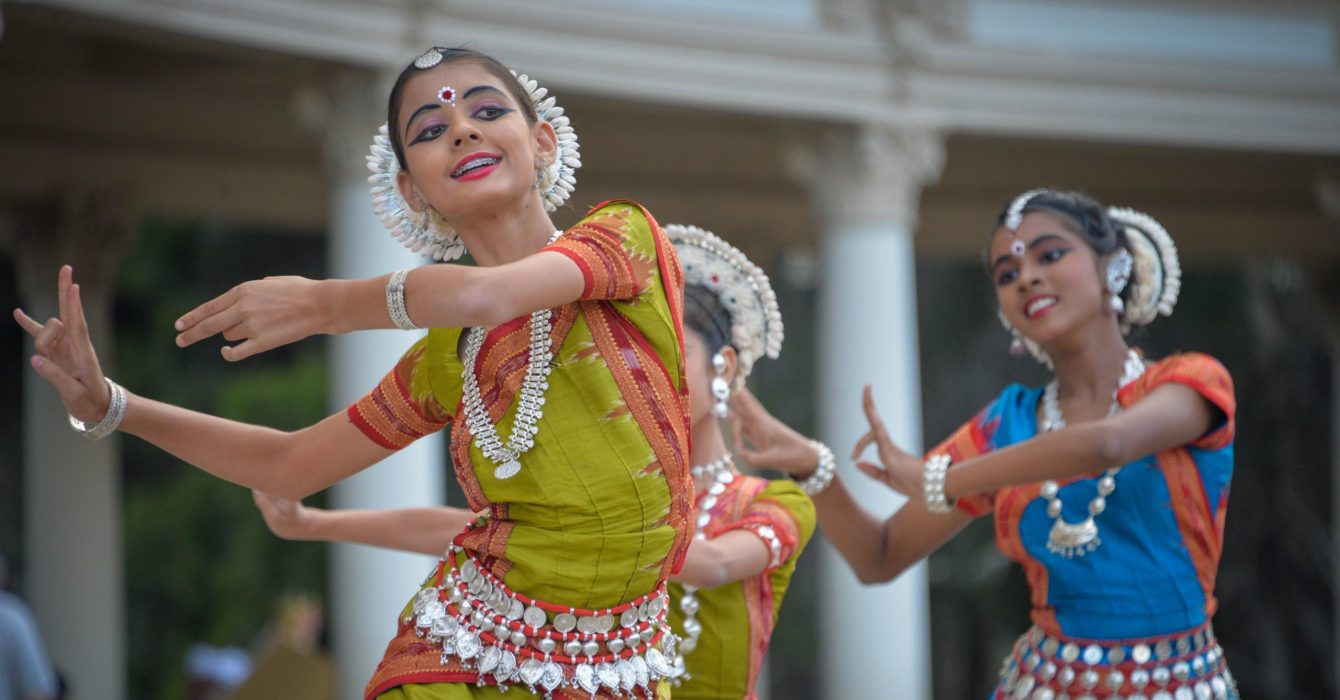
(933, 484)
(116, 412)
(823, 475)
(395, 301)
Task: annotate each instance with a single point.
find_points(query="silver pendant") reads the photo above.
(1072, 540)
(507, 471)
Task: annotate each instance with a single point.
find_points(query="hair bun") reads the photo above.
(1157, 278)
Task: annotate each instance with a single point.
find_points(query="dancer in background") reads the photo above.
(557, 361)
(1109, 485)
(749, 531)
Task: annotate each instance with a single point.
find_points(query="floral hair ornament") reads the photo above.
(742, 287)
(1015, 216)
(426, 232)
(1156, 275)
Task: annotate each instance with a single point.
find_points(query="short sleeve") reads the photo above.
(615, 245)
(782, 516)
(973, 438)
(402, 408)
(1207, 377)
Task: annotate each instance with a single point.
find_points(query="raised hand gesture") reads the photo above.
(762, 441)
(896, 469)
(263, 314)
(65, 357)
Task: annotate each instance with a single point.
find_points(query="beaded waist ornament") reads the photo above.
(1184, 666)
(511, 638)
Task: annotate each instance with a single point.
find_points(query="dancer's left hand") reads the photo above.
(896, 469)
(286, 518)
(263, 314)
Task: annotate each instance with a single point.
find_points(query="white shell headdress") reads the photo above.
(1156, 281)
(426, 232)
(742, 288)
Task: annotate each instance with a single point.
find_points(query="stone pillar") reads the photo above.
(1326, 189)
(867, 184)
(368, 586)
(72, 487)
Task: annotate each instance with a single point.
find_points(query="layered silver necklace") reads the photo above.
(507, 457)
(1072, 540)
(718, 475)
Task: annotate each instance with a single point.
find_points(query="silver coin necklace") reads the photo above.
(1068, 539)
(506, 457)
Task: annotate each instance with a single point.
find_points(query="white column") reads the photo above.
(369, 586)
(875, 639)
(72, 487)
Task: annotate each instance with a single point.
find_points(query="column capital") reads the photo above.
(345, 109)
(870, 174)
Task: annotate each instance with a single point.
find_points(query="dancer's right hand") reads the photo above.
(65, 357)
(764, 442)
(285, 518)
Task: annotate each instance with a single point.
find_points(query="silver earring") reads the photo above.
(1119, 271)
(539, 174)
(1115, 304)
(720, 387)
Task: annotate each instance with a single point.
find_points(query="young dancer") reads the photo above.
(749, 531)
(1109, 485)
(557, 361)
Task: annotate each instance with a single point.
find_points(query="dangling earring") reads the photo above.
(539, 175)
(1020, 345)
(720, 387)
(1118, 275)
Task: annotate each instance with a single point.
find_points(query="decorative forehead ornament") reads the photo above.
(428, 59)
(1015, 216)
(742, 288)
(447, 95)
(426, 232)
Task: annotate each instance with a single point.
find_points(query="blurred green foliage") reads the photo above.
(200, 564)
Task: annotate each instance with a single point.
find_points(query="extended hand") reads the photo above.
(263, 314)
(896, 469)
(763, 441)
(65, 357)
(287, 519)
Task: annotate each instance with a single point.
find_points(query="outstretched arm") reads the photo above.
(877, 549)
(293, 464)
(734, 556)
(424, 530)
(265, 314)
(1170, 416)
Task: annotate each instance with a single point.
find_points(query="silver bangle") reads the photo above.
(823, 474)
(395, 301)
(933, 484)
(116, 412)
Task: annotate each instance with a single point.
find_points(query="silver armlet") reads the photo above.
(933, 484)
(823, 475)
(116, 412)
(395, 301)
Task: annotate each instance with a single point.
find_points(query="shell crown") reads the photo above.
(426, 232)
(742, 287)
